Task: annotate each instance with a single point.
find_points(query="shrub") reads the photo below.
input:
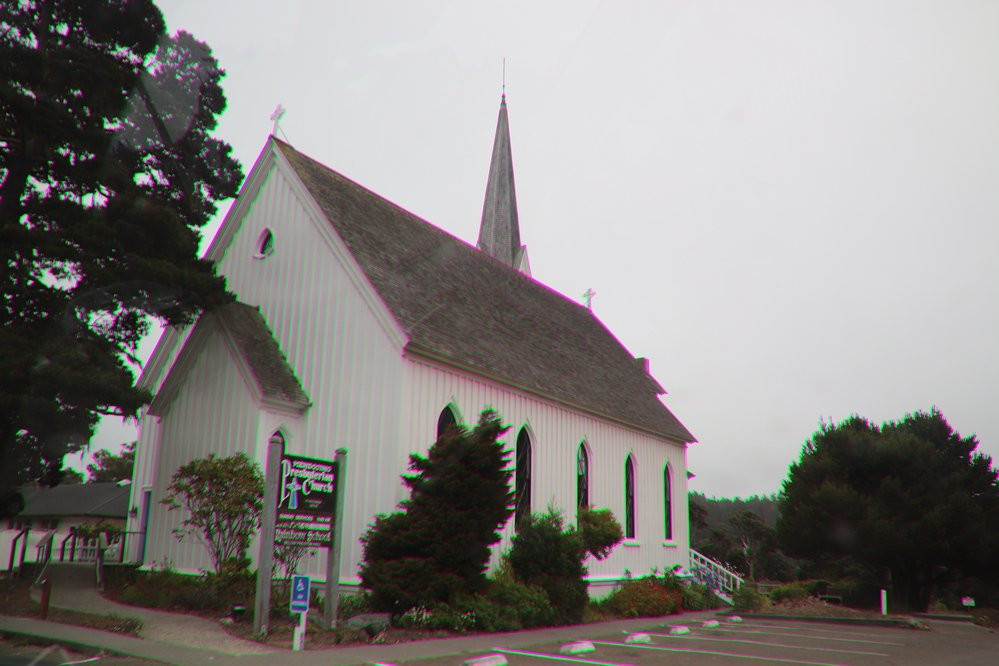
(645, 597)
(790, 592)
(815, 587)
(354, 604)
(437, 547)
(599, 531)
(548, 556)
(438, 617)
(748, 598)
(696, 596)
(221, 500)
(530, 603)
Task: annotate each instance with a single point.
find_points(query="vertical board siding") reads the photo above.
(557, 433)
(344, 359)
(368, 398)
(212, 413)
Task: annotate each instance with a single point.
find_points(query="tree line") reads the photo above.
(909, 505)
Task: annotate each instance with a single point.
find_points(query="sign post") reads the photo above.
(299, 604)
(303, 506)
(272, 488)
(332, 598)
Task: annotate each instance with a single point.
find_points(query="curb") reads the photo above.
(946, 617)
(95, 641)
(36, 638)
(903, 623)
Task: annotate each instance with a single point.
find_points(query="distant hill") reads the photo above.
(718, 510)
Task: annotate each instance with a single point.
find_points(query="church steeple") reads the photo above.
(499, 232)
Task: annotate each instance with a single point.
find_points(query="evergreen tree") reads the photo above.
(107, 173)
(438, 546)
(110, 467)
(910, 502)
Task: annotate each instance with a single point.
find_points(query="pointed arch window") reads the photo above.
(667, 504)
(522, 479)
(446, 421)
(629, 498)
(582, 477)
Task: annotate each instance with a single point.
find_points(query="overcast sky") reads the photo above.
(791, 208)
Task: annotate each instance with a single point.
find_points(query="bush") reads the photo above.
(354, 604)
(530, 603)
(438, 617)
(437, 547)
(169, 590)
(599, 531)
(696, 596)
(546, 555)
(816, 587)
(645, 597)
(748, 598)
(790, 592)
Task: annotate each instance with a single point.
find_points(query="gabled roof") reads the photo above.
(257, 346)
(259, 352)
(99, 500)
(463, 307)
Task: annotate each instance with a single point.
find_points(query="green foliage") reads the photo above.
(111, 531)
(350, 605)
(70, 477)
(506, 606)
(110, 467)
(790, 592)
(599, 531)
(748, 598)
(697, 596)
(437, 547)
(547, 555)
(643, 597)
(107, 173)
(734, 532)
(530, 604)
(221, 499)
(440, 617)
(168, 590)
(910, 499)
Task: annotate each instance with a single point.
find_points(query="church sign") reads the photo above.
(306, 502)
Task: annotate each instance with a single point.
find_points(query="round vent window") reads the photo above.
(265, 244)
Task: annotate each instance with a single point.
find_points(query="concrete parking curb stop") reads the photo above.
(902, 622)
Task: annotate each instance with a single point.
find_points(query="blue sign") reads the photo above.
(300, 594)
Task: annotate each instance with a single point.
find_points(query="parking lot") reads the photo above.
(771, 642)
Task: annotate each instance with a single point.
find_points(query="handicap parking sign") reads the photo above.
(300, 594)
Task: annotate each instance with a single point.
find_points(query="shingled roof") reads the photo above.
(99, 500)
(462, 306)
(257, 346)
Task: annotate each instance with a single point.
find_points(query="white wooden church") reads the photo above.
(359, 325)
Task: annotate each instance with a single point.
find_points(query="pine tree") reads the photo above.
(438, 545)
(107, 173)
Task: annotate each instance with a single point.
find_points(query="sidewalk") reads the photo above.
(73, 588)
(187, 656)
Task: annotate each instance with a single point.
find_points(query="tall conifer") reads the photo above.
(107, 173)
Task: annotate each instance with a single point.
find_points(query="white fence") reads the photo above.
(714, 574)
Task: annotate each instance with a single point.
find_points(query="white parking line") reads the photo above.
(817, 638)
(733, 655)
(555, 657)
(777, 645)
(808, 628)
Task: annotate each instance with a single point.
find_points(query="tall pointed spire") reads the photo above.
(499, 232)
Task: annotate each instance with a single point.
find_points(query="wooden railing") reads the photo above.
(715, 575)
